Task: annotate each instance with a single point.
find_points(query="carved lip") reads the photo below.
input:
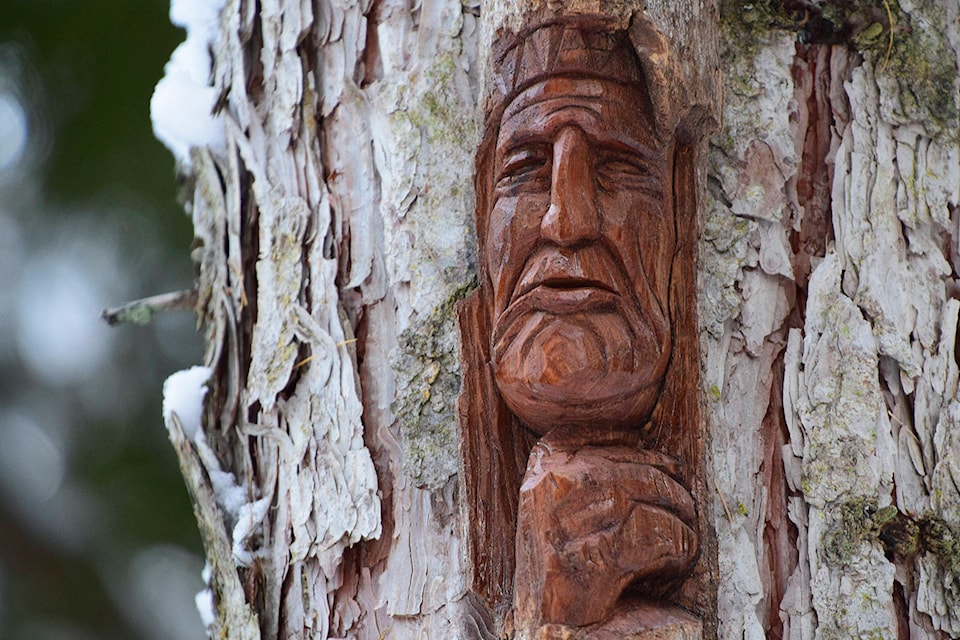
(569, 295)
(569, 281)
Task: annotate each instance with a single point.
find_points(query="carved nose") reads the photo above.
(573, 217)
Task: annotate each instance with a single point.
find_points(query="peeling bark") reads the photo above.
(828, 260)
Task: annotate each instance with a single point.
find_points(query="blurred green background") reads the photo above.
(97, 539)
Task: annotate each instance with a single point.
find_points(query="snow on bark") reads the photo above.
(183, 394)
(183, 103)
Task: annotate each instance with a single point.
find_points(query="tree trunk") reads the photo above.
(335, 238)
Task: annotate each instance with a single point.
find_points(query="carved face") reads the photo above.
(579, 247)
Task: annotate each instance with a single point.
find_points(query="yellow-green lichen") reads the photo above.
(726, 252)
(747, 25)
(912, 50)
(441, 115)
(942, 540)
(855, 523)
(427, 370)
(924, 67)
(900, 535)
(139, 314)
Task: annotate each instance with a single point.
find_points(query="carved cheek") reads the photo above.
(512, 235)
(637, 229)
(498, 244)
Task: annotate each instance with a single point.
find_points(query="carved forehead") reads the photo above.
(602, 108)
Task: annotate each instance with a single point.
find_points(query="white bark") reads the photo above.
(335, 232)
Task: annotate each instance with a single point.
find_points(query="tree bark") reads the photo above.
(828, 304)
(335, 236)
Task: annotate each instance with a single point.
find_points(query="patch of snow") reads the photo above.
(204, 599)
(249, 517)
(182, 105)
(229, 496)
(204, 602)
(246, 515)
(183, 394)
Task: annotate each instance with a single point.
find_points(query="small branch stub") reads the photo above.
(141, 311)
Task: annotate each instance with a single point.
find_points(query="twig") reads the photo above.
(890, 28)
(304, 361)
(313, 355)
(723, 501)
(142, 311)
(895, 418)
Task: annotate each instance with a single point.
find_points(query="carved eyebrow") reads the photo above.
(582, 116)
(528, 149)
(624, 144)
(550, 125)
(614, 141)
(529, 156)
(530, 146)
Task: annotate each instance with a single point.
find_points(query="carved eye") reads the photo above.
(623, 173)
(527, 167)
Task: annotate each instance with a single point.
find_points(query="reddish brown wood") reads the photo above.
(582, 335)
(593, 521)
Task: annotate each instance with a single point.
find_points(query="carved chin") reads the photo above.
(591, 369)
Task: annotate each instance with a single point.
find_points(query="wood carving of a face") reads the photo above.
(580, 240)
(579, 405)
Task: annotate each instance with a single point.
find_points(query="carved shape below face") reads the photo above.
(579, 247)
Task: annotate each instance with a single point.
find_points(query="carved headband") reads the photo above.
(594, 48)
(564, 49)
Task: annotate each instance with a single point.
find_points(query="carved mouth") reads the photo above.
(561, 284)
(588, 273)
(563, 295)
